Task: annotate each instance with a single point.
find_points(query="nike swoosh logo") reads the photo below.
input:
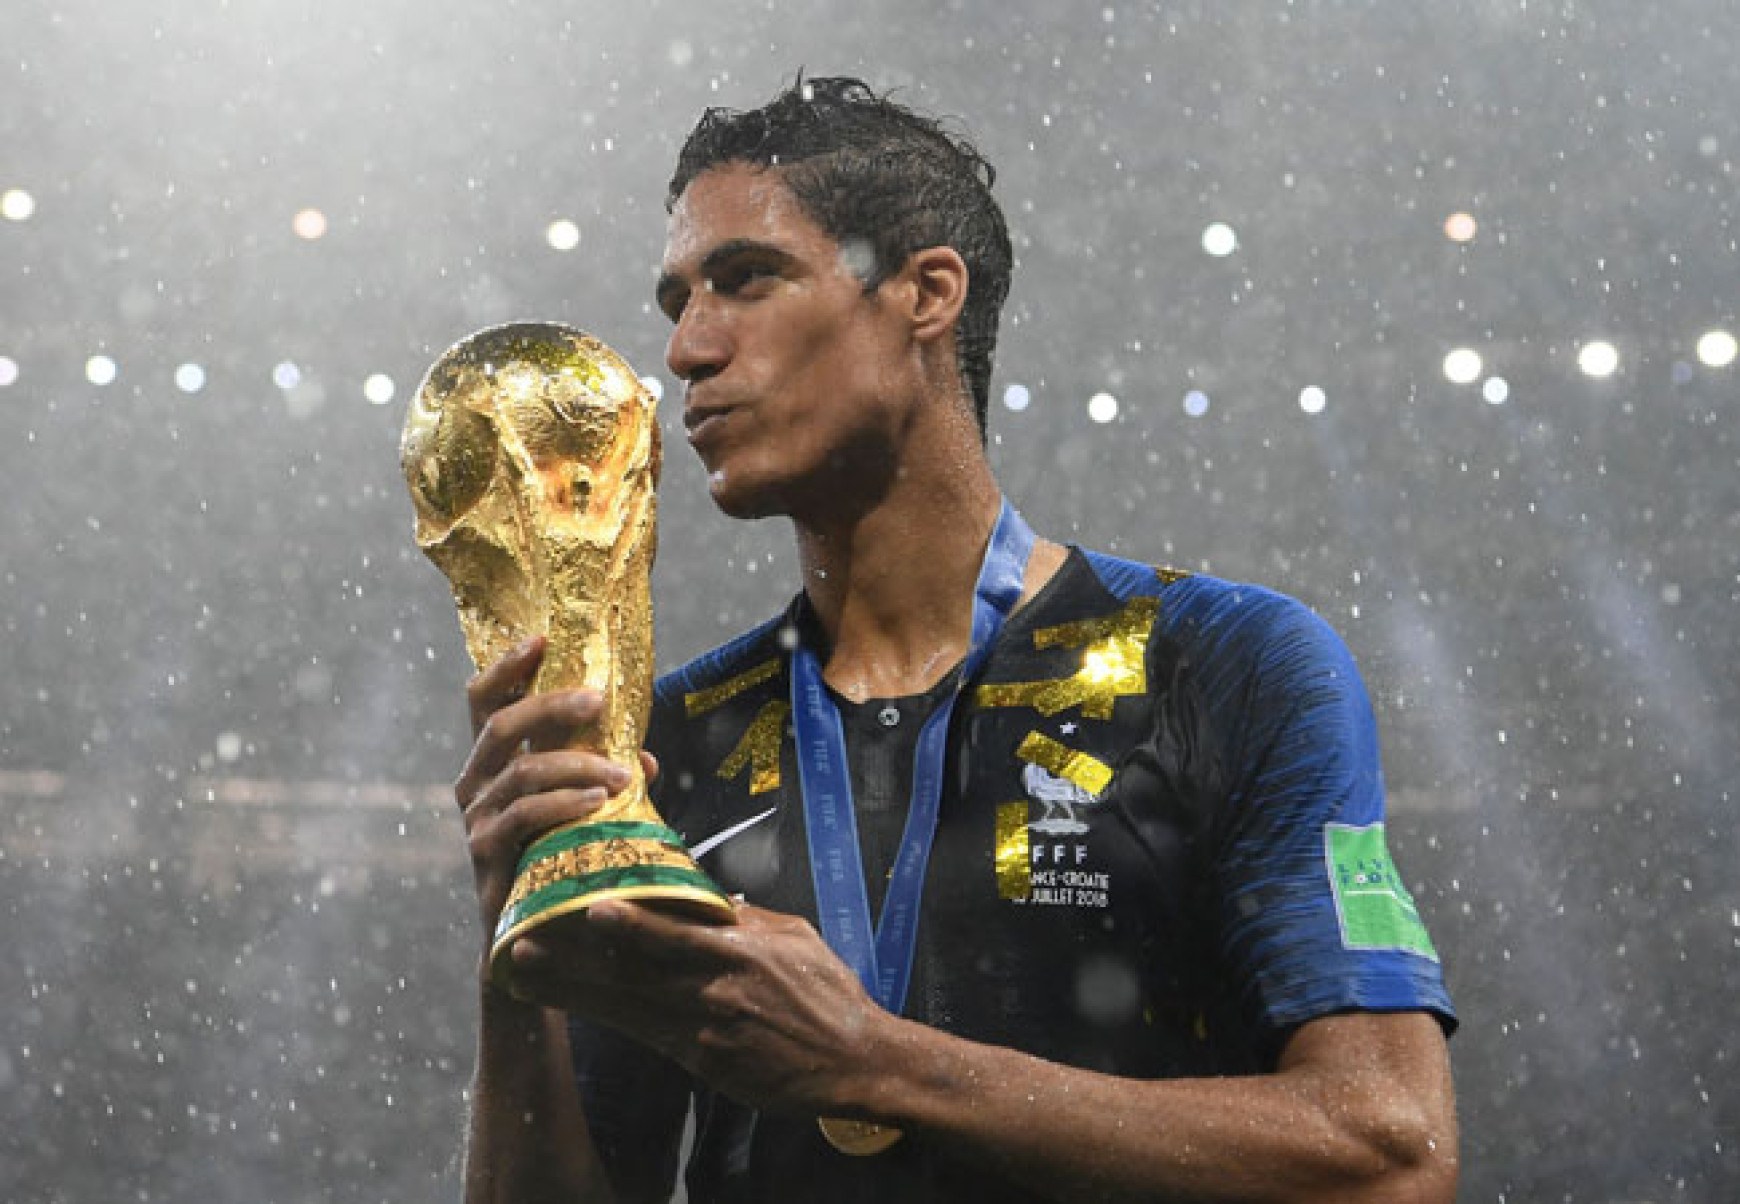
(718, 838)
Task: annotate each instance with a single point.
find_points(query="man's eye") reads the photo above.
(741, 276)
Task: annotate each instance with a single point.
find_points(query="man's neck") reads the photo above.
(893, 586)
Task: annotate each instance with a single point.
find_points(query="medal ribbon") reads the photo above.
(882, 957)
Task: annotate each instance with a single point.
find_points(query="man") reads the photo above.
(1095, 850)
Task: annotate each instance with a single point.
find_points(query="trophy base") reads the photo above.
(571, 868)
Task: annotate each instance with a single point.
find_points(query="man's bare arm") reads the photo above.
(1360, 1106)
(527, 1141)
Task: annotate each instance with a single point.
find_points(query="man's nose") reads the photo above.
(699, 345)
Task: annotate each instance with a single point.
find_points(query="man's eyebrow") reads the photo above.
(732, 248)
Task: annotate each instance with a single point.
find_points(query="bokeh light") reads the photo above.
(1461, 227)
(1463, 366)
(1717, 349)
(101, 370)
(1196, 403)
(1598, 358)
(1496, 390)
(1017, 398)
(1312, 399)
(1102, 407)
(309, 224)
(16, 205)
(8, 371)
(379, 388)
(1219, 240)
(190, 378)
(563, 235)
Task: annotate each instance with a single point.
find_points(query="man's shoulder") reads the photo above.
(1216, 620)
(1191, 600)
(749, 659)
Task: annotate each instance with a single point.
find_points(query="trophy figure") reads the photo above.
(532, 453)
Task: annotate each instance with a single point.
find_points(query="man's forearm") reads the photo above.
(1316, 1130)
(527, 1141)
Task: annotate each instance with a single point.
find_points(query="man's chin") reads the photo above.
(736, 500)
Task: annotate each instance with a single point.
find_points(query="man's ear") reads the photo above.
(938, 280)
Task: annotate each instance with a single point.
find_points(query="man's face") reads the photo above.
(796, 376)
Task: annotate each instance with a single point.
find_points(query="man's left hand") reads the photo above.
(761, 1009)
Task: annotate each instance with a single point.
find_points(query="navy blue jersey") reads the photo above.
(1160, 850)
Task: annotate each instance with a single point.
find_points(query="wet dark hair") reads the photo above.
(864, 167)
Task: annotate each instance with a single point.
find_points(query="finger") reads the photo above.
(649, 766)
(558, 719)
(666, 934)
(577, 957)
(506, 834)
(624, 943)
(598, 987)
(533, 773)
(497, 843)
(505, 681)
(542, 721)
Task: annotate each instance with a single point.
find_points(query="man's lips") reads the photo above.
(699, 421)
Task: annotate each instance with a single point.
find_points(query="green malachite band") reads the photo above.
(611, 881)
(659, 884)
(570, 869)
(591, 833)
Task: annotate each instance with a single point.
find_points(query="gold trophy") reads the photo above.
(532, 453)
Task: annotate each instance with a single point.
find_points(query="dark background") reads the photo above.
(240, 939)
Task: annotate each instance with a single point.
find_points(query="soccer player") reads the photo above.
(1064, 876)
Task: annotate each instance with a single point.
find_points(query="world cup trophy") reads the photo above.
(532, 453)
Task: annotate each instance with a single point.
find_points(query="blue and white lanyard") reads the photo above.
(882, 957)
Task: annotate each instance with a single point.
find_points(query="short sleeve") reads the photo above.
(1312, 917)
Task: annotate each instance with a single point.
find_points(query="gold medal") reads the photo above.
(859, 1138)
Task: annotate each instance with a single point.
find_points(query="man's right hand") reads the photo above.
(522, 779)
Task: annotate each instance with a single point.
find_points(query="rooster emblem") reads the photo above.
(1060, 797)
